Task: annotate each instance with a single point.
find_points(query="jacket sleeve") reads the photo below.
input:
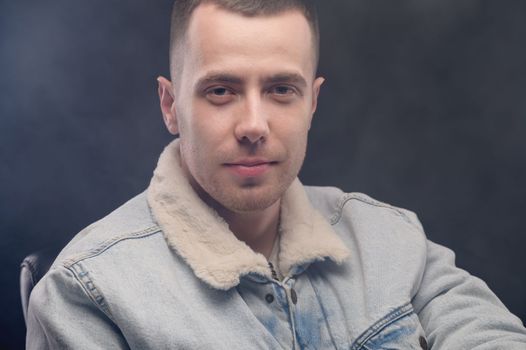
(459, 311)
(62, 315)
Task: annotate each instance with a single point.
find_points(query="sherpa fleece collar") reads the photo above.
(203, 239)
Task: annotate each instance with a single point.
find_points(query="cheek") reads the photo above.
(210, 123)
(198, 127)
(297, 115)
(290, 126)
(195, 161)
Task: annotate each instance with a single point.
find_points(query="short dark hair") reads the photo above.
(183, 9)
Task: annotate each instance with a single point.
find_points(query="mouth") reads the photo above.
(250, 167)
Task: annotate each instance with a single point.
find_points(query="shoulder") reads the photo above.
(377, 231)
(113, 253)
(131, 221)
(335, 205)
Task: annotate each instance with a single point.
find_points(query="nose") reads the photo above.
(252, 126)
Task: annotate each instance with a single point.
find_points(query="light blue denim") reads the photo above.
(118, 285)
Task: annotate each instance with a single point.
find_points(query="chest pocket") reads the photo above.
(399, 330)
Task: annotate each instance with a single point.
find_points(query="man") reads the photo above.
(227, 250)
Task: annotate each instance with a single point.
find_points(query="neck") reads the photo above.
(258, 229)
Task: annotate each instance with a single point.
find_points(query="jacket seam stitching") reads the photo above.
(93, 293)
(352, 196)
(380, 325)
(110, 243)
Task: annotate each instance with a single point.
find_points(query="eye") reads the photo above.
(219, 95)
(282, 90)
(284, 93)
(220, 91)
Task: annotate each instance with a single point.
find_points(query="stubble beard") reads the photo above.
(250, 196)
(222, 194)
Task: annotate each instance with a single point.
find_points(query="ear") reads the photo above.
(167, 102)
(316, 85)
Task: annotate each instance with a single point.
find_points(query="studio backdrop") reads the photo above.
(423, 107)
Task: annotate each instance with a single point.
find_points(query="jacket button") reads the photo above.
(293, 296)
(423, 343)
(269, 298)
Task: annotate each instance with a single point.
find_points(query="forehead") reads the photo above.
(218, 37)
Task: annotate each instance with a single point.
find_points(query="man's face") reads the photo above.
(242, 103)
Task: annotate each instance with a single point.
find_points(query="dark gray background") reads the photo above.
(423, 108)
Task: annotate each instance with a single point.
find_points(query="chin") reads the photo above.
(251, 203)
(251, 196)
(249, 199)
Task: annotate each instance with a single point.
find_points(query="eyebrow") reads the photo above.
(218, 78)
(287, 78)
(226, 78)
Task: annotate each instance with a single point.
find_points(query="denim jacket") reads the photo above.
(164, 272)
